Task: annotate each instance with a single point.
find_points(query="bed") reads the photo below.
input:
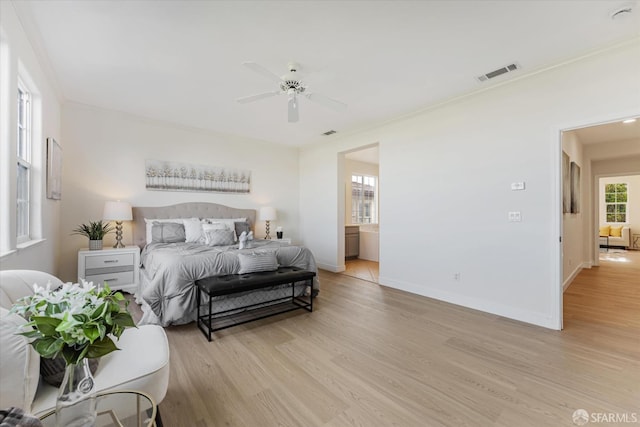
(168, 270)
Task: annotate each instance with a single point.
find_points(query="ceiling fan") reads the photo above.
(291, 85)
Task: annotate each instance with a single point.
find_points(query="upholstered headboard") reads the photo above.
(184, 210)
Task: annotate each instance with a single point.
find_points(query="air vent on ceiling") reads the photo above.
(329, 132)
(498, 72)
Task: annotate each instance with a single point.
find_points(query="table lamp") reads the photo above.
(118, 212)
(268, 214)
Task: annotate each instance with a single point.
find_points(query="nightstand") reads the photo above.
(118, 267)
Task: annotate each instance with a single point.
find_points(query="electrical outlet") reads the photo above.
(516, 186)
(515, 216)
(456, 277)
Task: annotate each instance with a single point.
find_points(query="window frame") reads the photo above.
(616, 203)
(355, 217)
(24, 147)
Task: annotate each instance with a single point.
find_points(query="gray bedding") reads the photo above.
(168, 272)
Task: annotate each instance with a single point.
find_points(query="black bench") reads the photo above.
(234, 283)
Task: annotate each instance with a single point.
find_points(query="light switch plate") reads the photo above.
(516, 186)
(515, 216)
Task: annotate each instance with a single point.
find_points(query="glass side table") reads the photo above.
(122, 408)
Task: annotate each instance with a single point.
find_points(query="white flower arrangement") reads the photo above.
(75, 320)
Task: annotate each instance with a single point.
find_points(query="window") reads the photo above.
(364, 199)
(23, 181)
(615, 198)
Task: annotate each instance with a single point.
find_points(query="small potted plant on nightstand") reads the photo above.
(95, 232)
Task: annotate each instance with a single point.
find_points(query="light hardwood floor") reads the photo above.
(374, 356)
(362, 269)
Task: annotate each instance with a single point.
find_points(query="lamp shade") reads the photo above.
(268, 214)
(117, 211)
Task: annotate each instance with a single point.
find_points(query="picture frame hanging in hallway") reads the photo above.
(566, 183)
(575, 188)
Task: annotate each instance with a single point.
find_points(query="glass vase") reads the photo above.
(76, 403)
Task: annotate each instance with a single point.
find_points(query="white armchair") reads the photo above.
(142, 363)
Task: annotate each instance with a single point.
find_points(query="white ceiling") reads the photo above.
(609, 132)
(180, 61)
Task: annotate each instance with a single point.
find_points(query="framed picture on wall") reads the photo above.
(54, 170)
(575, 188)
(566, 183)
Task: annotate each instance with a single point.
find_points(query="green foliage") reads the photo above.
(74, 321)
(616, 197)
(94, 230)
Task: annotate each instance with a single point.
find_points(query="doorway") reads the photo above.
(608, 150)
(361, 212)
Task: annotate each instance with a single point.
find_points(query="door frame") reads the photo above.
(557, 309)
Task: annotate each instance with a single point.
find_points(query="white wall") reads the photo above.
(18, 57)
(105, 160)
(447, 175)
(574, 254)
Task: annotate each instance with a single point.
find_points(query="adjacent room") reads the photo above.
(314, 213)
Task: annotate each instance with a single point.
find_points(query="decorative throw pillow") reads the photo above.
(616, 231)
(257, 261)
(604, 230)
(52, 370)
(167, 232)
(149, 225)
(221, 237)
(240, 227)
(229, 223)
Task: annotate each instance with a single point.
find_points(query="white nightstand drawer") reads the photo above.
(109, 260)
(118, 267)
(113, 279)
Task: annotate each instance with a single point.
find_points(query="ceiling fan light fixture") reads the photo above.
(291, 85)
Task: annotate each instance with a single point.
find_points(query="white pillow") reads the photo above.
(193, 229)
(149, 225)
(19, 364)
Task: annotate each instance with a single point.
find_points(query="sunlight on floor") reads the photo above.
(614, 255)
(614, 258)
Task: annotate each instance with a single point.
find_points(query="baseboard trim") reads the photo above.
(573, 275)
(331, 268)
(535, 318)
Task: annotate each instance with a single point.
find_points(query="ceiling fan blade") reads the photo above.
(261, 70)
(293, 109)
(327, 102)
(252, 98)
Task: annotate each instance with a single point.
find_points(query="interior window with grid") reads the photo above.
(364, 199)
(615, 197)
(23, 182)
